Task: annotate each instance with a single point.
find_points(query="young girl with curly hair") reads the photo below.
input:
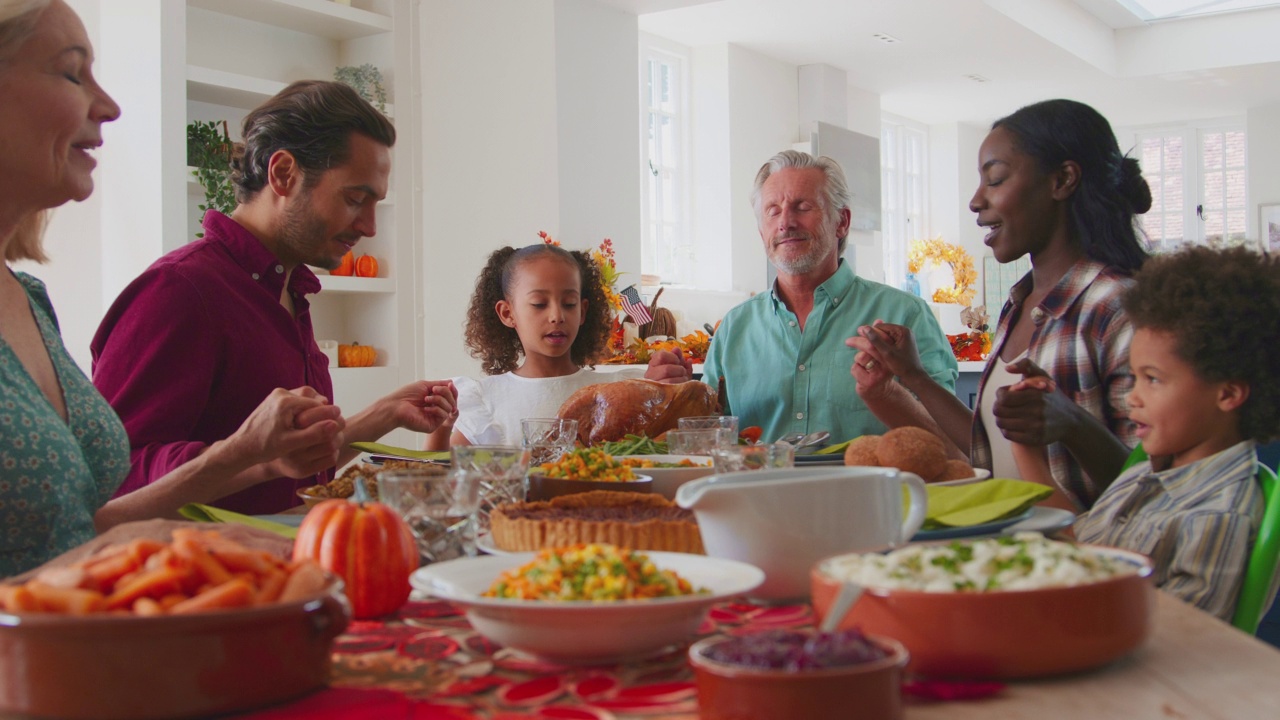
(546, 304)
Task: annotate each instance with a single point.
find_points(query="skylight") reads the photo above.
(1150, 10)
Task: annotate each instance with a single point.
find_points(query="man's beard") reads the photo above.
(809, 261)
(302, 231)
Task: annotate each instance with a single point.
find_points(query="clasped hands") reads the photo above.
(298, 433)
(1031, 412)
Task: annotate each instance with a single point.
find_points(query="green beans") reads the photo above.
(635, 445)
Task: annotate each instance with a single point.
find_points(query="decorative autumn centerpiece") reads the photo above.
(368, 545)
(975, 344)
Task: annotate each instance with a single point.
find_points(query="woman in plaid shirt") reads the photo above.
(1054, 185)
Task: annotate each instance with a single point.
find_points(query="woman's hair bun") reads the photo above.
(1133, 186)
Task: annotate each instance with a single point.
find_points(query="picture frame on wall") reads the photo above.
(1269, 226)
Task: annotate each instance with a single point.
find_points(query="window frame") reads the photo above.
(1194, 177)
(901, 224)
(651, 248)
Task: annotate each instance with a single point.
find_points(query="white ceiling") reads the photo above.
(1097, 51)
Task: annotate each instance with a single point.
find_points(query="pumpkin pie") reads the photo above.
(640, 521)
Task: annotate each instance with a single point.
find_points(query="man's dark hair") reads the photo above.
(313, 120)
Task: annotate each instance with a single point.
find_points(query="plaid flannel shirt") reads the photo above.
(1081, 339)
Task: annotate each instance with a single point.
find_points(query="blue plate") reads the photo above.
(990, 528)
(832, 459)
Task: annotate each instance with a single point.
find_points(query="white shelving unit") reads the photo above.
(239, 53)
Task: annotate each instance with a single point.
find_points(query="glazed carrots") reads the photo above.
(198, 571)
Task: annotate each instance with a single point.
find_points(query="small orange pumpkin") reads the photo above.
(356, 355)
(367, 266)
(347, 267)
(368, 545)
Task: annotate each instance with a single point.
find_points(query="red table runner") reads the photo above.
(427, 662)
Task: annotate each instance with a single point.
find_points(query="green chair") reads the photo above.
(1261, 569)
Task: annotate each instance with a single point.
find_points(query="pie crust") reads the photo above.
(640, 521)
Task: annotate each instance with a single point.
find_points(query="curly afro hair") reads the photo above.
(1223, 309)
(497, 346)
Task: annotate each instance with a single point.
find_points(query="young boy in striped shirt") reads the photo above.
(1207, 389)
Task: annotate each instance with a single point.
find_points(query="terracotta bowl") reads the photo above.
(1006, 634)
(137, 668)
(870, 691)
(541, 487)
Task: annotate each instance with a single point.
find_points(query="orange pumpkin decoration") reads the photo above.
(347, 267)
(368, 545)
(356, 355)
(367, 266)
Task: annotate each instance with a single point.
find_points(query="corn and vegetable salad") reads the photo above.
(594, 572)
(588, 464)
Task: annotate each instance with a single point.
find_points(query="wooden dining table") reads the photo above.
(429, 663)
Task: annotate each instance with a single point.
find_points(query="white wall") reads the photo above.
(1263, 134)
(598, 129)
(763, 120)
(530, 122)
(713, 191)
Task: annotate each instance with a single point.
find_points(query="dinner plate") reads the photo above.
(989, 528)
(814, 459)
(979, 474)
(484, 543)
(1044, 520)
(666, 480)
(577, 632)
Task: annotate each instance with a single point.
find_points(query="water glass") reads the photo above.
(439, 507)
(736, 458)
(499, 470)
(703, 422)
(548, 439)
(699, 442)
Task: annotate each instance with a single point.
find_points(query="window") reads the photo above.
(666, 247)
(1198, 186)
(904, 147)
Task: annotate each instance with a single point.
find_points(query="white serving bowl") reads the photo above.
(581, 632)
(666, 481)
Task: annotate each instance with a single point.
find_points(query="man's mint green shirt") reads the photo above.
(785, 380)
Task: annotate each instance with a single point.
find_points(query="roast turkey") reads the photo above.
(610, 411)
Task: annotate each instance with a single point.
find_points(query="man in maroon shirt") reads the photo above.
(197, 341)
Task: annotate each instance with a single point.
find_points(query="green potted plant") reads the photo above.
(209, 150)
(365, 80)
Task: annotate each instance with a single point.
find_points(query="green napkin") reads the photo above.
(833, 449)
(206, 513)
(980, 502)
(380, 449)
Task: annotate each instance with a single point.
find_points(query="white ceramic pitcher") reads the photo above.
(785, 521)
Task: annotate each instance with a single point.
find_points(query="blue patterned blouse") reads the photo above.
(53, 474)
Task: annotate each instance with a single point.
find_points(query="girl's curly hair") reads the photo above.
(497, 346)
(1223, 309)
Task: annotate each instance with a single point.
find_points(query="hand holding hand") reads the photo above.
(423, 406)
(669, 367)
(894, 349)
(1032, 411)
(297, 432)
(870, 371)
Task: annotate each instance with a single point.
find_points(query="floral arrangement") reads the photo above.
(975, 344)
(693, 346)
(936, 251)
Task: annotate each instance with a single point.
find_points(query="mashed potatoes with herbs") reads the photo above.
(1025, 561)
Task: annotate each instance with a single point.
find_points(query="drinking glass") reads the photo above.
(699, 442)
(735, 458)
(499, 470)
(703, 422)
(439, 507)
(547, 439)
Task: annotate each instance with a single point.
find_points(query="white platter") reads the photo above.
(979, 475)
(586, 632)
(667, 480)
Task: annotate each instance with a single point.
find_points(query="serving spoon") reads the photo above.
(848, 595)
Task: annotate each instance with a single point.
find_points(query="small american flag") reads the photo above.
(634, 306)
